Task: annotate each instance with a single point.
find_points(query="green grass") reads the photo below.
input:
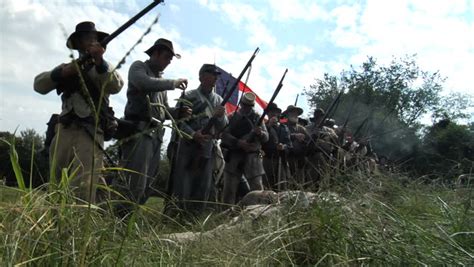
(369, 221)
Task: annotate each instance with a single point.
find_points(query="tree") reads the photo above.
(24, 146)
(384, 103)
(453, 107)
(447, 150)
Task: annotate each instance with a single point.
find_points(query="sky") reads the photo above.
(309, 37)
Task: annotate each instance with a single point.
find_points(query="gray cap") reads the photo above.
(248, 99)
(209, 68)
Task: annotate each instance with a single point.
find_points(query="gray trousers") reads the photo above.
(277, 172)
(247, 164)
(141, 158)
(192, 177)
(231, 185)
(72, 148)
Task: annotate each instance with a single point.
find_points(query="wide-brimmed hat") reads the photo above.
(209, 68)
(162, 42)
(273, 107)
(248, 99)
(291, 108)
(83, 27)
(317, 112)
(302, 121)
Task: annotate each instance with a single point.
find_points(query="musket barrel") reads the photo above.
(234, 86)
(130, 22)
(277, 90)
(85, 60)
(226, 98)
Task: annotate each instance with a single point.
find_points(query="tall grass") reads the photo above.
(358, 220)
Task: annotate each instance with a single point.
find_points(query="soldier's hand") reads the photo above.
(281, 147)
(96, 51)
(201, 138)
(185, 112)
(180, 83)
(299, 136)
(219, 111)
(258, 131)
(68, 70)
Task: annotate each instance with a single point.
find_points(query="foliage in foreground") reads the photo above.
(370, 220)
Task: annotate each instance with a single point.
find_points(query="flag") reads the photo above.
(224, 83)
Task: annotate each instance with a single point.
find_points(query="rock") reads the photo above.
(264, 197)
(254, 206)
(297, 198)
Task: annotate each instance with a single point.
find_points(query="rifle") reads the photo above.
(86, 60)
(226, 85)
(321, 123)
(331, 107)
(360, 127)
(265, 111)
(174, 156)
(275, 93)
(226, 98)
(296, 101)
(341, 137)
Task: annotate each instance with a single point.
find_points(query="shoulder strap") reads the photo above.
(209, 106)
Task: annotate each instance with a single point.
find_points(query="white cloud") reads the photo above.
(210, 4)
(219, 41)
(433, 30)
(175, 8)
(306, 10)
(347, 32)
(31, 41)
(246, 17)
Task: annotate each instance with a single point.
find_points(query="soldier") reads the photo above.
(323, 143)
(194, 162)
(275, 161)
(147, 108)
(75, 138)
(299, 138)
(316, 121)
(243, 139)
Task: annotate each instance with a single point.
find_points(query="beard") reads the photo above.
(293, 119)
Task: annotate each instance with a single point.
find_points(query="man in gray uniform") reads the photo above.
(297, 155)
(194, 162)
(76, 142)
(243, 139)
(147, 108)
(276, 150)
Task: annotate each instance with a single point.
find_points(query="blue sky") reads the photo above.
(308, 37)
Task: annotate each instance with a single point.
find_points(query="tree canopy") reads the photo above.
(386, 104)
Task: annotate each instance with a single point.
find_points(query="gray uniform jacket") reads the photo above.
(192, 168)
(240, 127)
(300, 148)
(203, 107)
(47, 81)
(144, 80)
(325, 138)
